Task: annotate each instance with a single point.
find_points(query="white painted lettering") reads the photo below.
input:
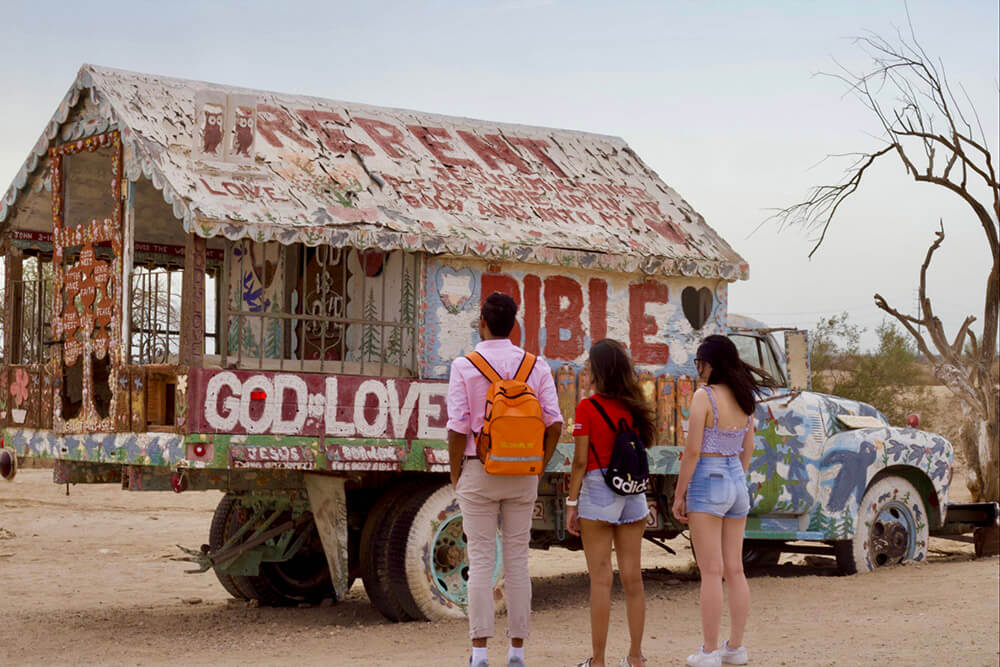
(297, 386)
(334, 427)
(427, 411)
(272, 404)
(375, 428)
(401, 416)
(230, 407)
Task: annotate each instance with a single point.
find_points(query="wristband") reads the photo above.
(572, 503)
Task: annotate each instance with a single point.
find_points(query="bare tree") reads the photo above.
(938, 139)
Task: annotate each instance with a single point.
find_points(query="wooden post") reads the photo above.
(192, 343)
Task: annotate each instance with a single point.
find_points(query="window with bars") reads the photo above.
(322, 309)
(29, 297)
(155, 310)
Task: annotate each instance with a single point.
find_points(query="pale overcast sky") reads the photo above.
(718, 97)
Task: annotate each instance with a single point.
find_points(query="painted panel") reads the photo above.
(158, 449)
(311, 404)
(562, 312)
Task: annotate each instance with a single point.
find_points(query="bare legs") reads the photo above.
(718, 544)
(628, 548)
(598, 538)
(736, 582)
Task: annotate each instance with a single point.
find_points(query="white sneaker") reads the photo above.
(702, 659)
(733, 656)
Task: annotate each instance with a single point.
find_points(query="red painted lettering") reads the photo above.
(210, 188)
(667, 228)
(250, 192)
(537, 148)
(598, 291)
(387, 136)
(272, 120)
(433, 138)
(269, 191)
(642, 325)
(491, 148)
(559, 318)
(505, 285)
(532, 312)
(325, 124)
(232, 188)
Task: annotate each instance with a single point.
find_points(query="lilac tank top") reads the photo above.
(718, 440)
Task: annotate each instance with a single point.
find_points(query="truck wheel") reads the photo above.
(755, 557)
(303, 578)
(374, 551)
(890, 529)
(437, 565)
(225, 523)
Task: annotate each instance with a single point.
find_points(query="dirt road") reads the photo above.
(88, 579)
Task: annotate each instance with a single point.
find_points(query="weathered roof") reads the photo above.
(248, 163)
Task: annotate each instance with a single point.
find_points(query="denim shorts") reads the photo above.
(719, 487)
(599, 503)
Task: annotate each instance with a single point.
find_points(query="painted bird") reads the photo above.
(852, 476)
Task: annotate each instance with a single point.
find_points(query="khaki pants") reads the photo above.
(484, 498)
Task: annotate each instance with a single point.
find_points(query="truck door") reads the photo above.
(786, 435)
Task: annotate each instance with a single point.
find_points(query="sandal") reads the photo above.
(626, 663)
(585, 663)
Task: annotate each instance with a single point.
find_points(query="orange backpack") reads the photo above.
(512, 441)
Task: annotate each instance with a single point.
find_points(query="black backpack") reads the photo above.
(628, 468)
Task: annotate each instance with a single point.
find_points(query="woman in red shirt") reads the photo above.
(596, 513)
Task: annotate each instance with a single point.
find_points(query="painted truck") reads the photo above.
(213, 288)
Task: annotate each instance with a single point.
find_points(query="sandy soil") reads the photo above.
(88, 579)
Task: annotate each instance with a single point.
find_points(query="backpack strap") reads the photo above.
(483, 366)
(607, 419)
(527, 365)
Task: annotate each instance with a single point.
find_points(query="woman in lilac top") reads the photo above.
(712, 495)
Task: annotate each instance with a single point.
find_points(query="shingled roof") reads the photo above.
(247, 163)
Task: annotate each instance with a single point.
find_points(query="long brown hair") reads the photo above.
(614, 377)
(728, 369)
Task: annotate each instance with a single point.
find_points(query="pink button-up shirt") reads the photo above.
(467, 388)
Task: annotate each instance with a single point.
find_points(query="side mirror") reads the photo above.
(797, 359)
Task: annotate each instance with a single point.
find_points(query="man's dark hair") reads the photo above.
(499, 311)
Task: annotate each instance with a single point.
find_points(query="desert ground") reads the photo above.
(89, 578)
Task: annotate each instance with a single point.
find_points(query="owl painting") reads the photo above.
(243, 139)
(211, 132)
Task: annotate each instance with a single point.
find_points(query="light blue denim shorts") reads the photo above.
(599, 503)
(719, 487)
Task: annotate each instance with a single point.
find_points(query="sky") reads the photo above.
(724, 100)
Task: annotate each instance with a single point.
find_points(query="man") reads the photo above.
(484, 497)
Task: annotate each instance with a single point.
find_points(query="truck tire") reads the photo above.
(302, 579)
(225, 523)
(436, 559)
(305, 578)
(890, 529)
(374, 551)
(399, 535)
(754, 557)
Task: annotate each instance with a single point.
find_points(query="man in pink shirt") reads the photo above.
(484, 497)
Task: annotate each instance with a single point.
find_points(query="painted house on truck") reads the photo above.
(209, 287)
(164, 232)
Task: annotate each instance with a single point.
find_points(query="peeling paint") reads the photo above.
(253, 164)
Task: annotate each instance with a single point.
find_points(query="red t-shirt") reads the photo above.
(589, 422)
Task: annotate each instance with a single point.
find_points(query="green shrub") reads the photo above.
(888, 377)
